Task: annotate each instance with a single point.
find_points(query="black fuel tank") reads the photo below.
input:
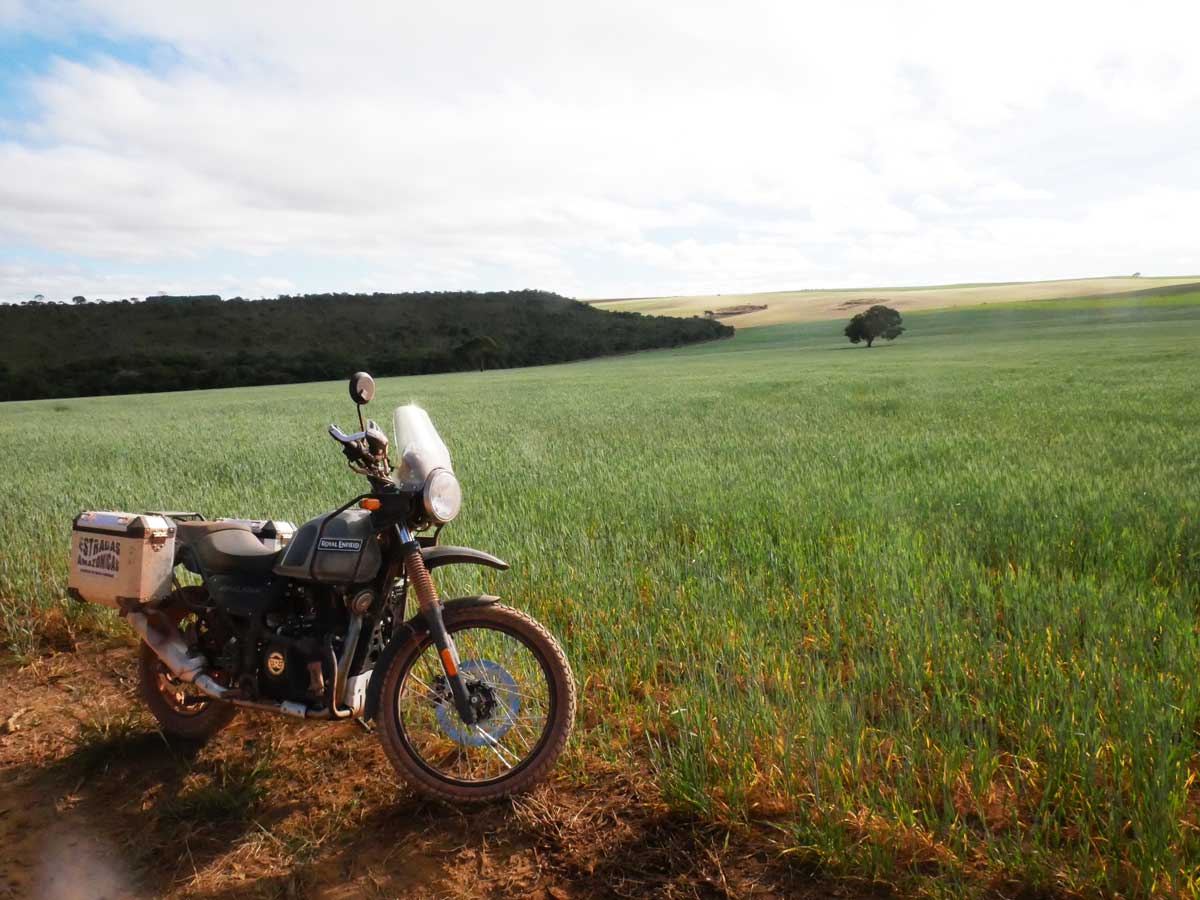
(348, 551)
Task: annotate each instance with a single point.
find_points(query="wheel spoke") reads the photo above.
(496, 748)
(177, 695)
(429, 693)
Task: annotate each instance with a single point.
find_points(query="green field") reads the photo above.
(930, 608)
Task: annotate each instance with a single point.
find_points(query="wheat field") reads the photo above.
(928, 610)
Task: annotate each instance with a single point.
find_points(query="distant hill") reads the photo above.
(184, 343)
(812, 305)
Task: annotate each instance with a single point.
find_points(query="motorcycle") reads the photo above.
(471, 699)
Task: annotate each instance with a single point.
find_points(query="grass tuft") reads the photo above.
(223, 792)
(104, 739)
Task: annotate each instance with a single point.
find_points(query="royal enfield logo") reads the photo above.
(99, 556)
(341, 545)
(276, 663)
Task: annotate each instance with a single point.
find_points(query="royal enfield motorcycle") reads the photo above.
(471, 699)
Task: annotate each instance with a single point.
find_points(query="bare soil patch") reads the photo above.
(95, 802)
(725, 312)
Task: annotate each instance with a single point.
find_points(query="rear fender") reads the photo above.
(414, 628)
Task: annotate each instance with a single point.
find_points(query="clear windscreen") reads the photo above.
(419, 448)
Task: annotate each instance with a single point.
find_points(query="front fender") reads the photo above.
(452, 556)
(414, 627)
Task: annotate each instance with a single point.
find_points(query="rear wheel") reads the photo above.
(182, 710)
(521, 684)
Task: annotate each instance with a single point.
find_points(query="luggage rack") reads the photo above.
(177, 515)
(273, 533)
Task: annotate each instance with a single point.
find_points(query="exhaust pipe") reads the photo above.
(341, 667)
(168, 645)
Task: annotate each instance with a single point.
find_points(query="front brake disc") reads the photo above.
(502, 716)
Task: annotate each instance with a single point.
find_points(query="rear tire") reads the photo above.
(559, 685)
(189, 716)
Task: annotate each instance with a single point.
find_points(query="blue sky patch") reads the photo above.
(25, 57)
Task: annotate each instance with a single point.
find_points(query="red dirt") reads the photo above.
(94, 802)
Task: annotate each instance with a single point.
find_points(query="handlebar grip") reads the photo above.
(340, 436)
(353, 445)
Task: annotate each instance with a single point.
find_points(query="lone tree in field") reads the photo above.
(876, 322)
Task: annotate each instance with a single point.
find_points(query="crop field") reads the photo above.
(780, 307)
(928, 611)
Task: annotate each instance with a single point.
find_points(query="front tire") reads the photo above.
(528, 693)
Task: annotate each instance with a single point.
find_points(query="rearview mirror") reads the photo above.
(362, 388)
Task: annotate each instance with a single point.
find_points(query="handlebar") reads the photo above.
(366, 448)
(338, 435)
(354, 446)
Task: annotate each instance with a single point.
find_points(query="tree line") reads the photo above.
(176, 343)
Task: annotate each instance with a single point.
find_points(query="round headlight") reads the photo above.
(443, 496)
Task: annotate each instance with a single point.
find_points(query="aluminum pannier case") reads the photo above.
(121, 559)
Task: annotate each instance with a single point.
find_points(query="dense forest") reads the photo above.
(183, 343)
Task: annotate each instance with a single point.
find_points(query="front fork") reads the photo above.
(431, 608)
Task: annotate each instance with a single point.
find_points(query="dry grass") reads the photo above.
(811, 306)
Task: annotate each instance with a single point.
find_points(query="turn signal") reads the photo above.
(370, 503)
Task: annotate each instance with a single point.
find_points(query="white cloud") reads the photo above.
(614, 149)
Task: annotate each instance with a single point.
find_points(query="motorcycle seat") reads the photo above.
(225, 548)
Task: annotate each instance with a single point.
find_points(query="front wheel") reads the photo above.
(521, 683)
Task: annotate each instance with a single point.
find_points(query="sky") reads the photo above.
(597, 150)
